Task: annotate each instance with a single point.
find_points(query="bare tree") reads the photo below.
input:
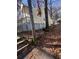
(51, 9)
(46, 14)
(31, 17)
(39, 9)
(55, 15)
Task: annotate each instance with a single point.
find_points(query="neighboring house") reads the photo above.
(24, 22)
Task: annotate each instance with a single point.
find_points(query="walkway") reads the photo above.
(39, 54)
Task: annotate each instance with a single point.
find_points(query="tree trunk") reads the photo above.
(31, 17)
(46, 14)
(51, 9)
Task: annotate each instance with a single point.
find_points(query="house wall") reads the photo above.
(39, 21)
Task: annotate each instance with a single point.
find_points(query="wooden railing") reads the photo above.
(22, 44)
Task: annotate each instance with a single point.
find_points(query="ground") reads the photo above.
(48, 44)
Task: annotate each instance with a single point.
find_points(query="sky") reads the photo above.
(56, 3)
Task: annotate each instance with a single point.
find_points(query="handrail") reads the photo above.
(22, 48)
(20, 41)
